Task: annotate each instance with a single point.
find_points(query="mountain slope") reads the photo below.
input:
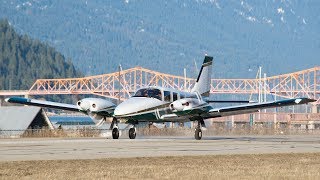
(280, 35)
(23, 60)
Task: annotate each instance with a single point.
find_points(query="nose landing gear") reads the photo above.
(115, 129)
(115, 133)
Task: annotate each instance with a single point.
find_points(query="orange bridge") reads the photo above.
(305, 83)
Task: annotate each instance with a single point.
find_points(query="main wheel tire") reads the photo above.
(198, 134)
(132, 133)
(115, 133)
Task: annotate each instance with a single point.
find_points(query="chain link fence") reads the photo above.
(214, 129)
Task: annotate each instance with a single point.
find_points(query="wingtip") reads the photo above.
(16, 100)
(304, 100)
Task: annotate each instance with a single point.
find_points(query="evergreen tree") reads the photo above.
(23, 60)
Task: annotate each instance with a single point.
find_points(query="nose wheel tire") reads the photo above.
(115, 133)
(132, 133)
(198, 134)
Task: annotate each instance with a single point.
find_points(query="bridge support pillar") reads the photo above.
(251, 120)
(314, 108)
(275, 126)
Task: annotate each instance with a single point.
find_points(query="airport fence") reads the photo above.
(215, 129)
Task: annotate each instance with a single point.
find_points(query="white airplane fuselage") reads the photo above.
(156, 102)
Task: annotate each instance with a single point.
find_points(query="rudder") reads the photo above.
(203, 82)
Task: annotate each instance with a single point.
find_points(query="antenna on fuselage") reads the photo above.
(195, 66)
(120, 69)
(185, 78)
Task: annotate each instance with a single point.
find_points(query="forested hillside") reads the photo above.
(23, 60)
(282, 36)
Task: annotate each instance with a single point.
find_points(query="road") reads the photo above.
(96, 148)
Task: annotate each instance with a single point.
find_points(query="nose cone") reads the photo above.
(135, 105)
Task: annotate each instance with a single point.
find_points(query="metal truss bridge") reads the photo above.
(121, 85)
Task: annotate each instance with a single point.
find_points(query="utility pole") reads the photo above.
(265, 86)
(260, 89)
(259, 98)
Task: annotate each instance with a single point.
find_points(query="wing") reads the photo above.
(206, 111)
(255, 107)
(40, 103)
(89, 106)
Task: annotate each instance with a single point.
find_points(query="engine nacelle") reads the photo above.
(184, 104)
(94, 104)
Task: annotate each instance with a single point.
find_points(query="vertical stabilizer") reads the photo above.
(202, 85)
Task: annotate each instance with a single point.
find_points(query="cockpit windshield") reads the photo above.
(150, 92)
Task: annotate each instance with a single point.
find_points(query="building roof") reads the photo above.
(14, 120)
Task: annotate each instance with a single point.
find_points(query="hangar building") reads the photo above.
(15, 120)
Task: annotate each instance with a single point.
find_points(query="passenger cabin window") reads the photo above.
(151, 93)
(166, 95)
(174, 96)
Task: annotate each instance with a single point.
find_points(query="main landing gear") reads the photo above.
(116, 133)
(198, 131)
(132, 133)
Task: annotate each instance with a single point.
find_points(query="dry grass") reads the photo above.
(179, 131)
(264, 166)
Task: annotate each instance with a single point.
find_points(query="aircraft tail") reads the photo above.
(203, 82)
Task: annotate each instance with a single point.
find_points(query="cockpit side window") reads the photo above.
(166, 95)
(151, 93)
(141, 93)
(155, 93)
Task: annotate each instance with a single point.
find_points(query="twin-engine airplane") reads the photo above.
(158, 104)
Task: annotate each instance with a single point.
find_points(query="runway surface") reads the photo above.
(95, 148)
